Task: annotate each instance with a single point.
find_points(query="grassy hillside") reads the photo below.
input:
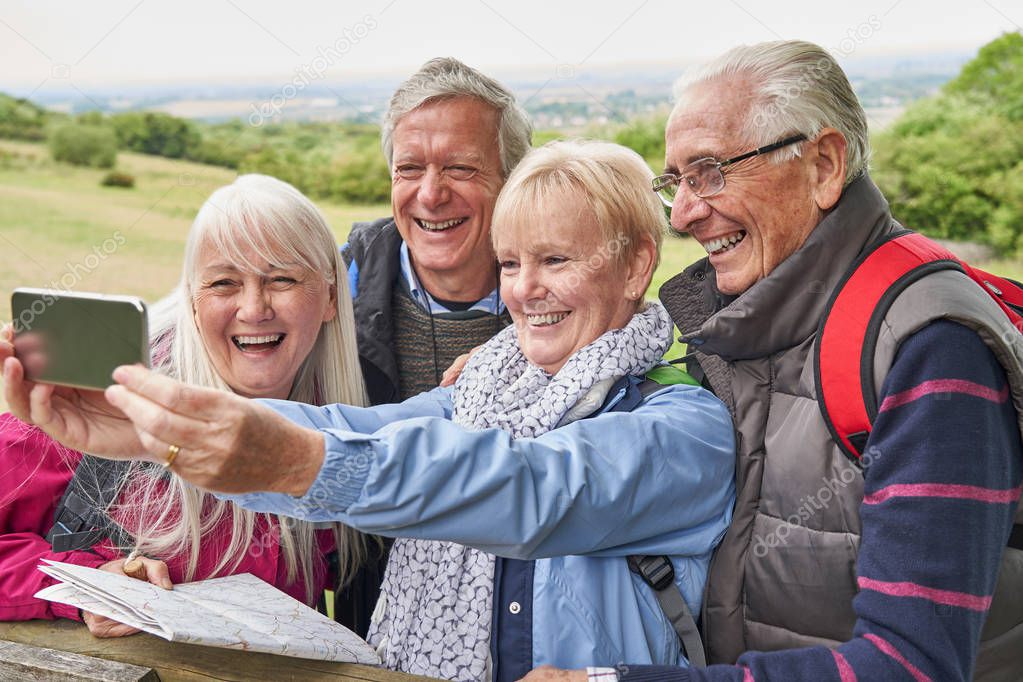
(57, 225)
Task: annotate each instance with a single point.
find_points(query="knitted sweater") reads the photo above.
(938, 508)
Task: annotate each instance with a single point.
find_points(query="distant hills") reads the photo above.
(562, 98)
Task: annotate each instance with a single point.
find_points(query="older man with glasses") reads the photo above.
(890, 567)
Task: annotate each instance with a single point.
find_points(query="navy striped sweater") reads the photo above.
(937, 512)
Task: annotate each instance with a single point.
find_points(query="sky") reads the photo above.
(50, 44)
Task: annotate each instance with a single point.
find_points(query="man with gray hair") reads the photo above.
(425, 279)
(882, 561)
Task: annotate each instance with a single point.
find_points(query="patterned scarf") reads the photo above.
(436, 602)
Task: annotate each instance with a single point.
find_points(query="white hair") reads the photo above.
(445, 78)
(793, 87)
(169, 517)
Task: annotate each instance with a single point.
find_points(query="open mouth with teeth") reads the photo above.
(258, 343)
(546, 320)
(724, 244)
(441, 226)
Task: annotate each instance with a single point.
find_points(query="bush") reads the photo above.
(361, 179)
(84, 145)
(156, 133)
(118, 179)
(22, 120)
(645, 136)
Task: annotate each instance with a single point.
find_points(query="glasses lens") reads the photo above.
(704, 177)
(666, 187)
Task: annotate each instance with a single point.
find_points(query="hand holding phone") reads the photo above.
(61, 355)
(80, 419)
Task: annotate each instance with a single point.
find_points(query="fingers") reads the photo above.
(6, 343)
(452, 373)
(157, 573)
(548, 673)
(16, 390)
(155, 424)
(40, 404)
(170, 393)
(538, 674)
(105, 628)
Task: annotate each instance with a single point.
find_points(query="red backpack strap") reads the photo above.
(1005, 292)
(847, 336)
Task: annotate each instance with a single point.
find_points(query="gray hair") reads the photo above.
(794, 87)
(169, 517)
(447, 78)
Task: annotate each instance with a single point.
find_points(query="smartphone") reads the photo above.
(76, 339)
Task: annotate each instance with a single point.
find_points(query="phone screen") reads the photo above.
(77, 339)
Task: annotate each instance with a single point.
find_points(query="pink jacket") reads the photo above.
(34, 471)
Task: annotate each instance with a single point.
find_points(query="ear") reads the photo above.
(331, 312)
(641, 268)
(828, 153)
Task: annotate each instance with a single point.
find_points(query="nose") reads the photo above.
(687, 209)
(528, 284)
(256, 304)
(433, 189)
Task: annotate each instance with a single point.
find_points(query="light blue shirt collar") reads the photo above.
(491, 303)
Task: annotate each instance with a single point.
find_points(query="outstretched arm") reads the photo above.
(644, 481)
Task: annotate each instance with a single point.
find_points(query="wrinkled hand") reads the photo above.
(154, 571)
(226, 443)
(548, 673)
(452, 373)
(79, 419)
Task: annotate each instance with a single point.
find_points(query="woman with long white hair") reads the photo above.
(262, 310)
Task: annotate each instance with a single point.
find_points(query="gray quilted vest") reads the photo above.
(785, 574)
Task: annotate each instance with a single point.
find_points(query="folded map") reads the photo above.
(237, 612)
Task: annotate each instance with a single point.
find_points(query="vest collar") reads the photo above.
(784, 309)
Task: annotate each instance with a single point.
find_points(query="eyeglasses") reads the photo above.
(705, 177)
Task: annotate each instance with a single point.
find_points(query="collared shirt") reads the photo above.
(491, 303)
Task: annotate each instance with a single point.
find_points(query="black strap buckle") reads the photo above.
(71, 541)
(656, 571)
(1016, 537)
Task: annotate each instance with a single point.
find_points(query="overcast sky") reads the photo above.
(45, 43)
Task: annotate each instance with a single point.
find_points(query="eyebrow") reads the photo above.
(474, 158)
(695, 157)
(217, 267)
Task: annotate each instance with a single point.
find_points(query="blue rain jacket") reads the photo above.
(658, 479)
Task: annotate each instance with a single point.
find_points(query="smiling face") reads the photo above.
(766, 210)
(447, 174)
(258, 328)
(561, 286)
